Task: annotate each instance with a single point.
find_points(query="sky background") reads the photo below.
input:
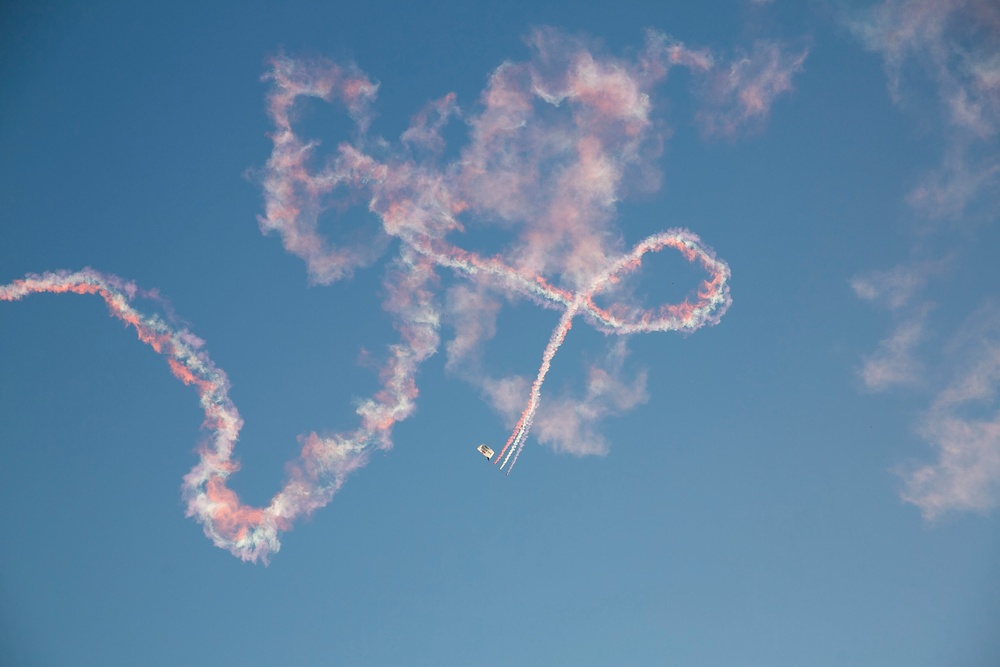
(758, 509)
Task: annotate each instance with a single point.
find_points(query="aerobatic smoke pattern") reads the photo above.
(550, 153)
(247, 532)
(501, 175)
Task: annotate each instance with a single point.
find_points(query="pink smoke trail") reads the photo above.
(713, 299)
(551, 178)
(499, 175)
(250, 533)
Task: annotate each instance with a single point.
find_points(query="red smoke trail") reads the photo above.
(551, 149)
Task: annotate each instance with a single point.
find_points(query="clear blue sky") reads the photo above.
(812, 481)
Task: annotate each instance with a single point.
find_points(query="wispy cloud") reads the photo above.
(963, 425)
(952, 47)
(895, 362)
(942, 63)
(965, 176)
(896, 287)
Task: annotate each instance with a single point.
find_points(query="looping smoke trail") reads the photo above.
(713, 299)
(500, 175)
(553, 177)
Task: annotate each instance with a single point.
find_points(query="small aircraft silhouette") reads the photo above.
(485, 451)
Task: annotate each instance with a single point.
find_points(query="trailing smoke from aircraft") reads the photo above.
(247, 532)
(551, 179)
(713, 299)
(554, 144)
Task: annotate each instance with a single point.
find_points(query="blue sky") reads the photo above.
(812, 480)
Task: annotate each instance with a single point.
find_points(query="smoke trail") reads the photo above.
(713, 299)
(249, 532)
(554, 144)
(555, 177)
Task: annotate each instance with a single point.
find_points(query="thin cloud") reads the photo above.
(947, 192)
(895, 363)
(942, 64)
(895, 287)
(953, 45)
(963, 425)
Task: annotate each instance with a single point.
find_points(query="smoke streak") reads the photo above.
(551, 151)
(562, 214)
(713, 299)
(247, 532)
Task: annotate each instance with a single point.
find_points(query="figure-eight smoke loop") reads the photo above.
(552, 179)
